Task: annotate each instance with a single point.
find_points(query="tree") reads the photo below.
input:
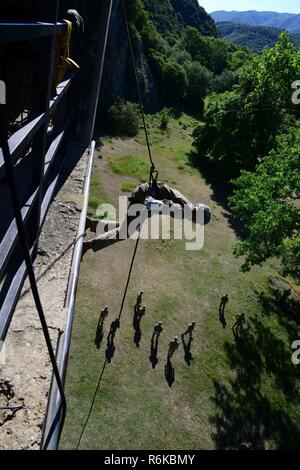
(225, 81)
(172, 79)
(199, 84)
(124, 117)
(218, 57)
(197, 46)
(267, 201)
(241, 126)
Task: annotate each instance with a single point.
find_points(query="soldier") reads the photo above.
(190, 330)
(187, 345)
(139, 299)
(99, 331)
(158, 329)
(103, 315)
(173, 346)
(138, 314)
(153, 196)
(113, 329)
(110, 350)
(224, 302)
(238, 325)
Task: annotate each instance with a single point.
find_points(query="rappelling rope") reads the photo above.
(152, 169)
(152, 179)
(105, 363)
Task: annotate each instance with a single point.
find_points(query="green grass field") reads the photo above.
(233, 392)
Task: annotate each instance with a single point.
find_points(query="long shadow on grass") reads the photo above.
(259, 404)
(222, 189)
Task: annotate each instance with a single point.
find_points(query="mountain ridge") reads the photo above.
(256, 38)
(286, 21)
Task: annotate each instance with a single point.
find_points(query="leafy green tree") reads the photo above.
(267, 201)
(241, 126)
(238, 58)
(180, 56)
(218, 58)
(172, 79)
(210, 52)
(175, 83)
(225, 81)
(199, 84)
(197, 46)
(124, 117)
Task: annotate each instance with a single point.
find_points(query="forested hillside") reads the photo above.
(179, 58)
(288, 21)
(171, 17)
(253, 37)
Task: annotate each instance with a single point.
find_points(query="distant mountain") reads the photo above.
(253, 37)
(288, 21)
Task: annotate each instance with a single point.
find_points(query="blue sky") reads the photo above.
(288, 6)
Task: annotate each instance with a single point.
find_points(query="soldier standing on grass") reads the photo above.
(158, 329)
(173, 346)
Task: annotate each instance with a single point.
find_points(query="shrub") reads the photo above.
(164, 119)
(124, 118)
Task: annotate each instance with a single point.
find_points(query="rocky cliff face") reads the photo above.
(172, 16)
(118, 77)
(192, 14)
(169, 18)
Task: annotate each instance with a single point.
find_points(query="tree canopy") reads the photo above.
(268, 202)
(241, 126)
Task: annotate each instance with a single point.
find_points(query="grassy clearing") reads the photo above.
(130, 165)
(97, 194)
(127, 186)
(232, 392)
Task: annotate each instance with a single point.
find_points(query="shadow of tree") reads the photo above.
(221, 188)
(258, 404)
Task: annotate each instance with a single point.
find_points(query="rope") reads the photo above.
(152, 169)
(105, 363)
(152, 179)
(129, 275)
(30, 271)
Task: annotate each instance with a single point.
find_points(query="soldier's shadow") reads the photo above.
(222, 318)
(188, 357)
(169, 373)
(153, 354)
(110, 350)
(99, 335)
